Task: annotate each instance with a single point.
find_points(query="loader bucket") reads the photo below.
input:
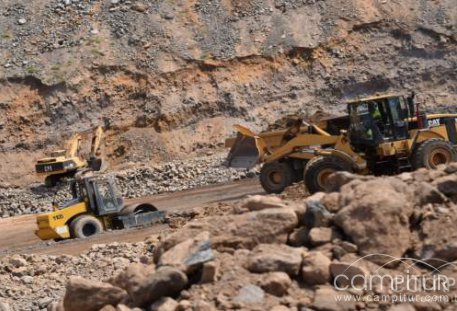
(243, 152)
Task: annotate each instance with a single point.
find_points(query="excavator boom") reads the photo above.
(95, 161)
(73, 146)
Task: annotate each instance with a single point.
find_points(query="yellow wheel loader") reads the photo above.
(381, 135)
(96, 206)
(65, 163)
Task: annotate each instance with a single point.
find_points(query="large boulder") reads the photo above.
(376, 217)
(337, 180)
(436, 235)
(167, 281)
(250, 229)
(82, 294)
(190, 254)
(237, 231)
(133, 277)
(316, 268)
(275, 257)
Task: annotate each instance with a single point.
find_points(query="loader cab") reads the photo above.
(377, 120)
(100, 194)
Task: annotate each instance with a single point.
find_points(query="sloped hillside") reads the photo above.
(169, 78)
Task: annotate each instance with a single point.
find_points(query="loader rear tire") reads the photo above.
(320, 168)
(276, 176)
(433, 152)
(85, 226)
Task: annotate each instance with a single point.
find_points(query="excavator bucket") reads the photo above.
(95, 164)
(244, 152)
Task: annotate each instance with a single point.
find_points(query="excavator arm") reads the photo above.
(73, 146)
(95, 161)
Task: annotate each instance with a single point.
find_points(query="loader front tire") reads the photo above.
(433, 152)
(276, 176)
(85, 226)
(320, 168)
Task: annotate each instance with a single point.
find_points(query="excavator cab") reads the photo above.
(377, 120)
(65, 163)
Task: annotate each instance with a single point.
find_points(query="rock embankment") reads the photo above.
(267, 253)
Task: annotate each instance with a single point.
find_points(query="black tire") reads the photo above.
(276, 176)
(85, 226)
(318, 169)
(433, 152)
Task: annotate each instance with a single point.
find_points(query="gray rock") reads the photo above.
(250, 294)
(27, 279)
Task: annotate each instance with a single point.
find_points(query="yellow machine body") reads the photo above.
(54, 225)
(380, 135)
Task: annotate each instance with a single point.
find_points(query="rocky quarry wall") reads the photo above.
(169, 78)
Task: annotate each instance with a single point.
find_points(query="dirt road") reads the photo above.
(17, 233)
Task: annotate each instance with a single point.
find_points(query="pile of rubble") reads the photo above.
(270, 253)
(177, 176)
(34, 282)
(168, 177)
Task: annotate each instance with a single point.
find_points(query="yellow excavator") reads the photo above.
(96, 206)
(65, 163)
(381, 135)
